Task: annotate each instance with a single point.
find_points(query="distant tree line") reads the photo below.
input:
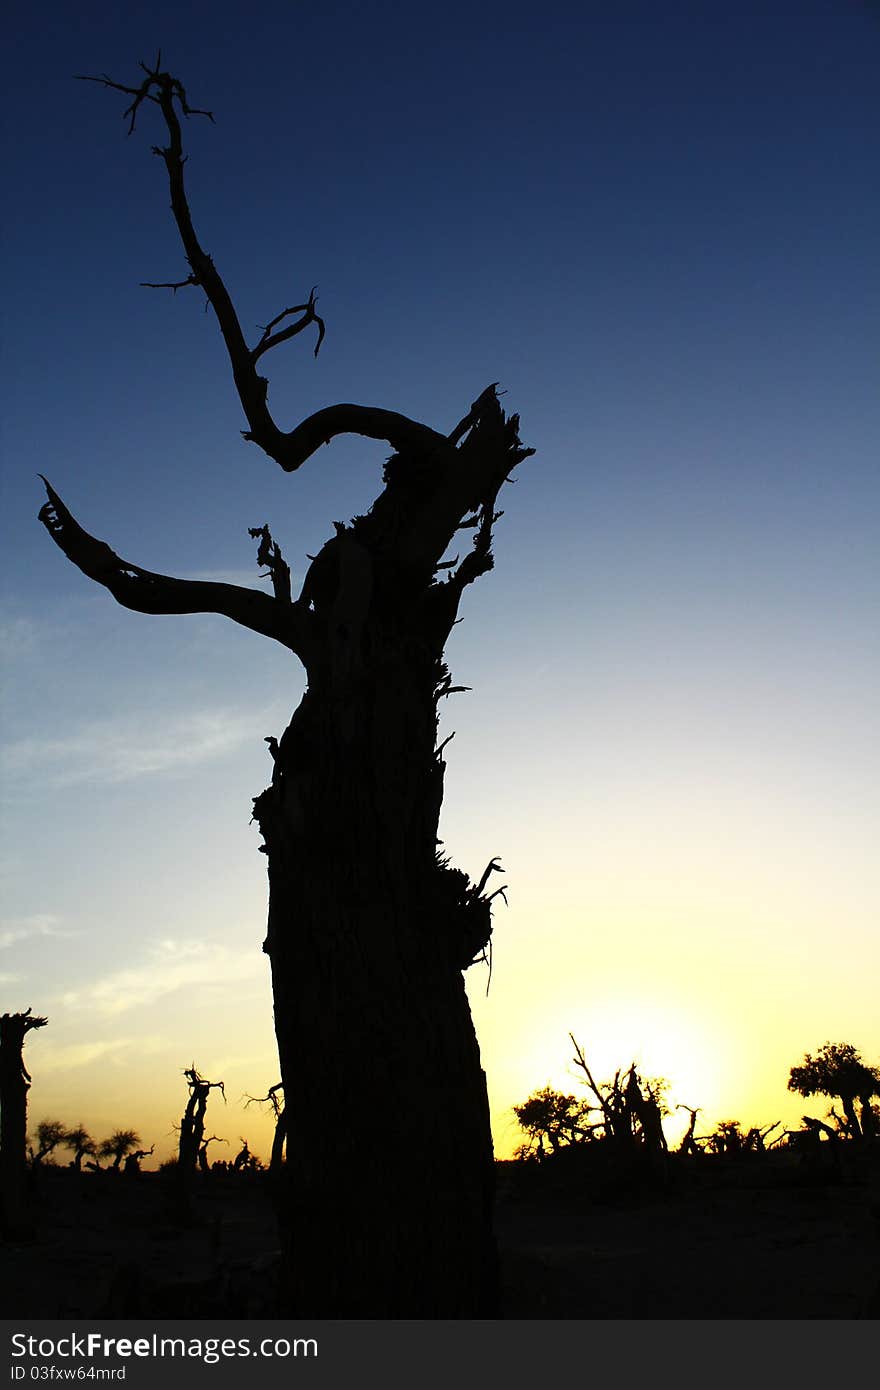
(626, 1114)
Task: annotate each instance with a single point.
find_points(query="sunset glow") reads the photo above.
(660, 237)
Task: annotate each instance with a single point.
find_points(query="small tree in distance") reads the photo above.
(632, 1106)
(50, 1133)
(202, 1157)
(558, 1118)
(81, 1142)
(122, 1142)
(192, 1124)
(838, 1071)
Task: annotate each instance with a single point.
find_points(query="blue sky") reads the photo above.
(659, 233)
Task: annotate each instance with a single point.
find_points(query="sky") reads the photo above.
(658, 232)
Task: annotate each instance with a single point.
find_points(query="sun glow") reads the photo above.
(671, 1043)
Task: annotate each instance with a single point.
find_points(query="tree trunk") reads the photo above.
(387, 1191)
(387, 1211)
(852, 1119)
(13, 1143)
(276, 1158)
(15, 1083)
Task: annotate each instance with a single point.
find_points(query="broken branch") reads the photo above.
(146, 592)
(291, 449)
(270, 339)
(173, 285)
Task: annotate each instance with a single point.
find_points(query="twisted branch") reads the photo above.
(145, 592)
(290, 449)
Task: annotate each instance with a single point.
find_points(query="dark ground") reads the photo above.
(750, 1238)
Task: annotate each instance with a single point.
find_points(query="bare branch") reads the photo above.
(269, 554)
(483, 401)
(143, 93)
(270, 339)
(581, 1061)
(24, 1022)
(271, 1098)
(372, 422)
(174, 285)
(290, 450)
(146, 592)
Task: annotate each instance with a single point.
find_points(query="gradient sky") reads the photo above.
(659, 233)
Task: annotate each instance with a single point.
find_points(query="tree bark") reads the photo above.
(386, 1195)
(386, 1211)
(15, 1083)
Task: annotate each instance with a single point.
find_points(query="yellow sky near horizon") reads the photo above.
(723, 1032)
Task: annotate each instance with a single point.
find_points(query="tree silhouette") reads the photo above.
(631, 1106)
(245, 1161)
(15, 1081)
(279, 1136)
(134, 1159)
(688, 1144)
(192, 1125)
(120, 1143)
(837, 1071)
(727, 1138)
(82, 1143)
(370, 928)
(50, 1133)
(202, 1157)
(558, 1118)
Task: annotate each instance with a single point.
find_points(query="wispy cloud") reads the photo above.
(169, 966)
(22, 928)
(122, 748)
(68, 1056)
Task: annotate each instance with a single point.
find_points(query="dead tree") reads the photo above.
(133, 1161)
(192, 1125)
(15, 1081)
(244, 1160)
(645, 1114)
(614, 1098)
(279, 1136)
(756, 1139)
(202, 1159)
(688, 1144)
(370, 928)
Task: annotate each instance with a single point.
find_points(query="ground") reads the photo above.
(755, 1238)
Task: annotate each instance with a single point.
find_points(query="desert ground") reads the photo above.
(768, 1236)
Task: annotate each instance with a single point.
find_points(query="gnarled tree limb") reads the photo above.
(289, 449)
(372, 422)
(270, 339)
(146, 592)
